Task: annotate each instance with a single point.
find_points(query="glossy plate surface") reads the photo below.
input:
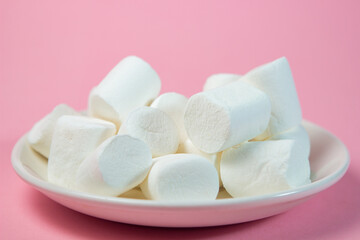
(329, 161)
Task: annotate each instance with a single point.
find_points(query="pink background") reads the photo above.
(55, 52)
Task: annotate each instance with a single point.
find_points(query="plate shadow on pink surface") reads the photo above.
(339, 204)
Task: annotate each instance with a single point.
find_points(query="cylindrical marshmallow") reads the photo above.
(130, 84)
(75, 137)
(219, 80)
(173, 104)
(223, 117)
(257, 168)
(40, 136)
(119, 164)
(155, 128)
(275, 79)
(181, 177)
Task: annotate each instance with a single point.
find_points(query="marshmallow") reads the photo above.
(299, 135)
(226, 116)
(181, 177)
(75, 137)
(155, 128)
(119, 164)
(130, 84)
(40, 135)
(257, 168)
(134, 193)
(275, 79)
(219, 80)
(214, 158)
(173, 104)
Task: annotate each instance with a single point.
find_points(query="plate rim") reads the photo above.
(291, 194)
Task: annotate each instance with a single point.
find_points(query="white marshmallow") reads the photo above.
(40, 135)
(299, 135)
(134, 193)
(214, 158)
(256, 168)
(275, 79)
(219, 80)
(75, 137)
(181, 177)
(130, 84)
(155, 128)
(173, 104)
(226, 116)
(119, 164)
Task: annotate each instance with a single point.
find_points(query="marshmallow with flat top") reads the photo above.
(40, 135)
(257, 168)
(299, 135)
(181, 177)
(223, 117)
(275, 79)
(130, 84)
(75, 137)
(119, 164)
(219, 80)
(173, 104)
(155, 128)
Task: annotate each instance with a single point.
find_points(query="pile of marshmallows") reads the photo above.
(242, 135)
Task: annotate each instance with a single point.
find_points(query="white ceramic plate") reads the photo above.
(329, 161)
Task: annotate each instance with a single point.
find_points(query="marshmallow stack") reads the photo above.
(223, 117)
(181, 177)
(130, 84)
(118, 165)
(242, 136)
(40, 136)
(75, 137)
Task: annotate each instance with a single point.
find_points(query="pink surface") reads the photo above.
(56, 52)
